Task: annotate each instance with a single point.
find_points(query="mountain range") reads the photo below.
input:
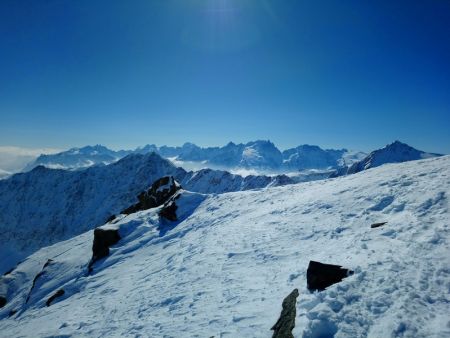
(258, 155)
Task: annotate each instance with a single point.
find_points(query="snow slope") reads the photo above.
(225, 267)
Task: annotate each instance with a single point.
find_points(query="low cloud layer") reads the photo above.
(14, 159)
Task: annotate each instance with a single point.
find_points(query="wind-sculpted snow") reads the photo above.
(224, 268)
(43, 206)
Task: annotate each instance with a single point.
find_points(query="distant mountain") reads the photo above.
(40, 207)
(313, 157)
(77, 158)
(258, 155)
(395, 152)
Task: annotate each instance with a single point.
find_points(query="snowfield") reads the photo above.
(225, 267)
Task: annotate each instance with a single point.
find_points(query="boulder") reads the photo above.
(286, 323)
(57, 294)
(319, 276)
(169, 211)
(377, 225)
(103, 239)
(159, 193)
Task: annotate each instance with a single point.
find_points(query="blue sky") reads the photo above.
(352, 74)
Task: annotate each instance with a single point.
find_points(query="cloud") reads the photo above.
(14, 159)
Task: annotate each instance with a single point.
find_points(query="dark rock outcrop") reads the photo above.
(169, 211)
(57, 294)
(3, 301)
(160, 191)
(320, 276)
(377, 225)
(286, 323)
(103, 239)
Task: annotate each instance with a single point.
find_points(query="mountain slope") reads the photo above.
(44, 205)
(223, 269)
(395, 152)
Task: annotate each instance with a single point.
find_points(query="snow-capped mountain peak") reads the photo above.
(394, 152)
(261, 155)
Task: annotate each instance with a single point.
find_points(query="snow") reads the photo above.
(224, 268)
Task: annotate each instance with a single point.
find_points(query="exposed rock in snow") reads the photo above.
(160, 191)
(286, 323)
(169, 210)
(57, 294)
(319, 276)
(377, 225)
(103, 239)
(3, 301)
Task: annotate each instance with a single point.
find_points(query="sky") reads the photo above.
(354, 74)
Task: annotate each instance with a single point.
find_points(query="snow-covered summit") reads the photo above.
(395, 152)
(313, 157)
(225, 266)
(261, 155)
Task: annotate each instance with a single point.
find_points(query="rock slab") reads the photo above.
(286, 323)
(319, 276)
